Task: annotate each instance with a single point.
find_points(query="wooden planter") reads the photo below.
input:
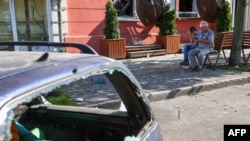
(113, 48)
(170, 42)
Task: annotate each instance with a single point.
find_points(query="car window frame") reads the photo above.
(138, 111)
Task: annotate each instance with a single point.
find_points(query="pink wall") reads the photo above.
(131, 30)
(184, 24)
(148, 34)
(86, 22)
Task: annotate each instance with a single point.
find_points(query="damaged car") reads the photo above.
(72, 97)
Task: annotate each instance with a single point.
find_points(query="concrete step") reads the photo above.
(147, 53)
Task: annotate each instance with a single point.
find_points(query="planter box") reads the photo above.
(170, 42)
(113, 48)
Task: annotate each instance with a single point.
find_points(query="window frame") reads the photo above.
(129, 18)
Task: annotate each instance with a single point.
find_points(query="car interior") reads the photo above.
(90, 117)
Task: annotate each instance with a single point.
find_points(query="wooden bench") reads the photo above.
(145, 50)
(246, 45)
(222, 42)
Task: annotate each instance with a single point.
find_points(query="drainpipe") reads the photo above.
(59, 14)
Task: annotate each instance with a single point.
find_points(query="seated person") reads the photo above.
(205, 46)
(194, 34)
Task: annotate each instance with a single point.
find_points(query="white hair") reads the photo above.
(203, 23)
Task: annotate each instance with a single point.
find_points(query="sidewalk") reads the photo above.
(162, 78)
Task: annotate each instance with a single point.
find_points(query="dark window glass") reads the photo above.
(124, 7)
(186, 5)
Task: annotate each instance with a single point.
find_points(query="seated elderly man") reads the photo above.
(205, 45)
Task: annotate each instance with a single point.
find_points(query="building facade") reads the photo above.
(86, 21)
(83, 20)
(33, 20)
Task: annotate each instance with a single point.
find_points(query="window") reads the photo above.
(126, 9)
(5, 23)
(187, 8)
(13, 26)
(93, 91)
(14, 22)
(186, 5)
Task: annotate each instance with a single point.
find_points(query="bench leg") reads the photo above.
(217, 60)
(224, 54)
(209, 61)
(205, 61)
(248, 57)
(244, 55)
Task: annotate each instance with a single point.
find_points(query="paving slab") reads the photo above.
(162, 78)
(202, 117)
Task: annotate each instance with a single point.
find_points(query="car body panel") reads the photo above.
(26, 75)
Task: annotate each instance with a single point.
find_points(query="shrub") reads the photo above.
(58, 97)
(167, 23)
(224, 18)
(111, 24)
(62, 100)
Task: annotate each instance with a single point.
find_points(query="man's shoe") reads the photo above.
(197, 69)
(184, 63)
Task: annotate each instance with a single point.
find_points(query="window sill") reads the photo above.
(187, 18)
(128, 18)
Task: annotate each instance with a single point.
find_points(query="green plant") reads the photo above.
(167, 23)
(243, 68)
(224, 18)
(58, 97)
(62, 100)
(111, 24)
(55, 92)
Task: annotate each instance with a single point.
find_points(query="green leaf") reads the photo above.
(167, 23)
(224, 18)
(111, 23)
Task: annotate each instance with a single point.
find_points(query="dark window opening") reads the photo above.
(188, 9)
(186, 5)
(124, 7)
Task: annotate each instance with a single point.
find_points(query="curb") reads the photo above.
(191, 90)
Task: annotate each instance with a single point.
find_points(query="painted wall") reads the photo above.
(86, 22)
(183, 26)
(131, 30)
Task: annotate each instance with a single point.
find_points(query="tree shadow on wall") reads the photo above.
(133, 31)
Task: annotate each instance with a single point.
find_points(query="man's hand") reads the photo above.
(203, 41)
(197, 40)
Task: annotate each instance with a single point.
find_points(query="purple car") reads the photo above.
(71, 97)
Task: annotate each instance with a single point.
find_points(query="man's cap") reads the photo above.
(203, 23)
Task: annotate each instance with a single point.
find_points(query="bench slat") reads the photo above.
(222, 41)
(246, 44)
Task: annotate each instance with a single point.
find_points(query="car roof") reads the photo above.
(11, 62)
(22, 71)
